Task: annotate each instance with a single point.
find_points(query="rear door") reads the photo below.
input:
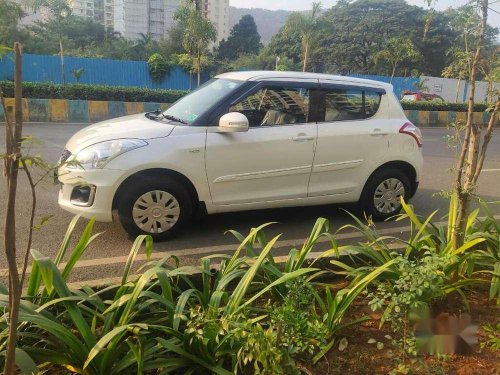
(273, 160)
(352, 136)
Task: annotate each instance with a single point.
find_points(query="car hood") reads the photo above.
(134, 126)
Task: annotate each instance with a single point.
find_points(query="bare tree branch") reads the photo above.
(32, 220)
(486, 140)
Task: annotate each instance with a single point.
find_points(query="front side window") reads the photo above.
(275, 106)
(190, 107)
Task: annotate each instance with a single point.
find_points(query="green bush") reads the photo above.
(444, 106)
(77, 91)
(158, 67)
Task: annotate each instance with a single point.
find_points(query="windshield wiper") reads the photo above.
(173, 118)
(153, 115)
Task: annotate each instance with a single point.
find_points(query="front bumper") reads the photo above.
(103, 183)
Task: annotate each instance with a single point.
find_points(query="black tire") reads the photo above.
(368, 196)
(148, 184)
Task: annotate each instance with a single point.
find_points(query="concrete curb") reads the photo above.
(77, 111)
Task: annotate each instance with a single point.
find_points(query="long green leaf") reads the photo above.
(25, 363)
(106, 339)
(133, 254)
(194, 359)
(242, 287)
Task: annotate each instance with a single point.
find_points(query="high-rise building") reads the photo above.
(42, 14)
(99, 10)
(87, 8)
(108, 13)
(217, 11)
(132, 18)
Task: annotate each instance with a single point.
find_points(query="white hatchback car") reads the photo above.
(246, 141)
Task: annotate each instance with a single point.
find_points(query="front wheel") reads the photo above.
(156, 207)
(381, 198)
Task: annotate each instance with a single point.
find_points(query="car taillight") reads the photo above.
(412, 130)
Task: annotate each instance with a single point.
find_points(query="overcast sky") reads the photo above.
(494, 18)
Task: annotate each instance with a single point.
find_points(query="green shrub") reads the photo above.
(443, 106)
(301, 330)
(75, 91)
(158, 66)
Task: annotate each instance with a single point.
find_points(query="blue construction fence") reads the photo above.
(401, 84)
(44, 68)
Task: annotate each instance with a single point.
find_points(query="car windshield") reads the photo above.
(190, 107)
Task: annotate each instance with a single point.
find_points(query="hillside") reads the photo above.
(268, 21)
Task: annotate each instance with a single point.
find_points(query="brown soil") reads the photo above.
(362, 358)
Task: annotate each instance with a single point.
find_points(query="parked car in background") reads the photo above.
(246, 141)
(421, 97)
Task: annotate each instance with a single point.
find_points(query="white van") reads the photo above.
(246, 141)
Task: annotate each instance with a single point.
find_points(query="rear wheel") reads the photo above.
(157, 207)
(381, 198)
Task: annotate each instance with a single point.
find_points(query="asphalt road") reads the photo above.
(105, 257)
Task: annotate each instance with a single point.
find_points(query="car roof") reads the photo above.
(263, 75)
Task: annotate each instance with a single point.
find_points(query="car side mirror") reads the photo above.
(233, 122)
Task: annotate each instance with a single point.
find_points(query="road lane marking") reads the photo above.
(491, 170)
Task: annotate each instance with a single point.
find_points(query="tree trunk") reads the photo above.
(394, 66)
(458, 90)
(199, 67)
(13, 151)
(393, 72)
(464, 185)
(306, 52)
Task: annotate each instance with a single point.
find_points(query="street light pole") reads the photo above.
(63, 14)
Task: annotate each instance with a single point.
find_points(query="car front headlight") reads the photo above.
(100, 154)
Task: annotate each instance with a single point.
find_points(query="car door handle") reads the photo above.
(376, 132)
(302, 137)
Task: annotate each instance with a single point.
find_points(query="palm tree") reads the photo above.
(308, 26)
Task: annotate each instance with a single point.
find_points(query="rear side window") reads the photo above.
(271, 106)
(341, 105)
(344, 104)
(372, 103)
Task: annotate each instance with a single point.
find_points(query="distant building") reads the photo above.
(217, 11)
(108, 13)
(88, 8)
(131, 18)
(42, 14)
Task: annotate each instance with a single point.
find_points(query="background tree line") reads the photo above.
(386, 37)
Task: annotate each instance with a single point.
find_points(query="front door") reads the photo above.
(273, 160)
